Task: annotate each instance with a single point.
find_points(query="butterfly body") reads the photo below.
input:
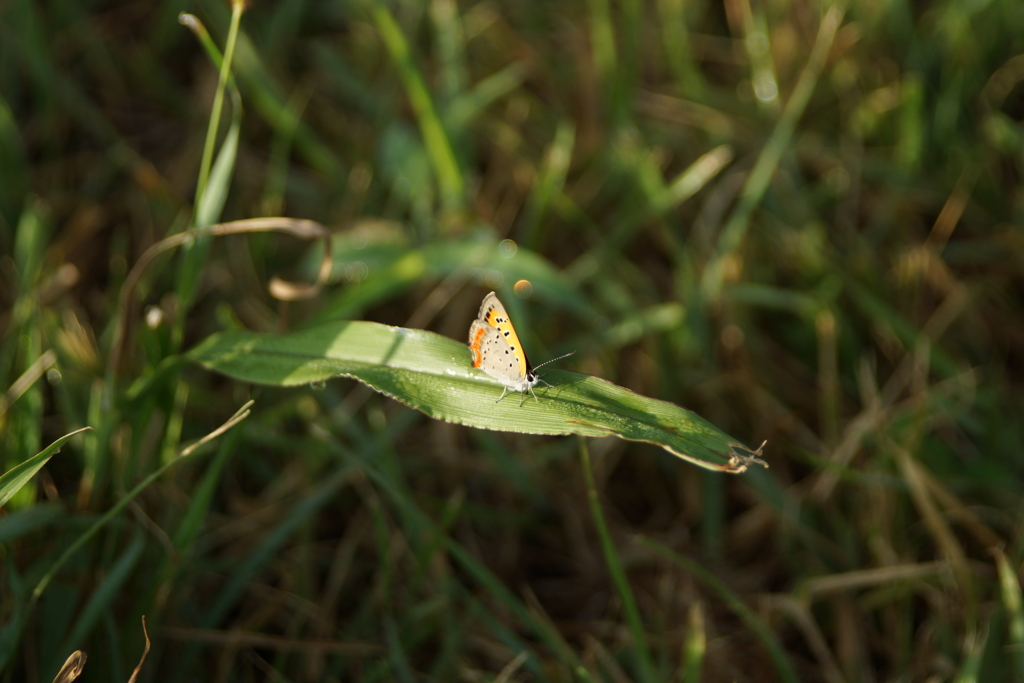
(497, 350)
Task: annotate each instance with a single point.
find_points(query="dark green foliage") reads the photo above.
(802, 223)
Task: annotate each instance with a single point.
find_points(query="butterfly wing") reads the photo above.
(493, 354)
(495, 315)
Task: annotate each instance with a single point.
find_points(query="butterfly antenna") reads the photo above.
(553, 360)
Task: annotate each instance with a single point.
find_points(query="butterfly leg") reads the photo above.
(541, 379)
(504, 390)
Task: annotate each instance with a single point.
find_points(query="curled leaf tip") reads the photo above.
(742, 457)
(72, 668)
(191, 22)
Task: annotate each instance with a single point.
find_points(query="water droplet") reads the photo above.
(154, 317)
(765, 88)
(508, 248)
(357, 271)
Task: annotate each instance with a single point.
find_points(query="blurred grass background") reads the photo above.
(804, 224)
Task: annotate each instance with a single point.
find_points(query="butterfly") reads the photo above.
(497, 350)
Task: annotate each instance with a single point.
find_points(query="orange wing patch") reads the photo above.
(476, 336)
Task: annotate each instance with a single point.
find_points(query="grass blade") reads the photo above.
(439, 148)
(104, 596)
(13, 479)
(1013, 603)
(763, 632)
(218, 102)
(211, 205)
(433, 374)
(641, 652)
(11, 635)
(764, 168)
(695, 646)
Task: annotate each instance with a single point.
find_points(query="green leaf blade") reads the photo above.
(433, 374)
(13, 479)
(211, 206)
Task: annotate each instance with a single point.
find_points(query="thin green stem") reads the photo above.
(611, 557)
(237, 7)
